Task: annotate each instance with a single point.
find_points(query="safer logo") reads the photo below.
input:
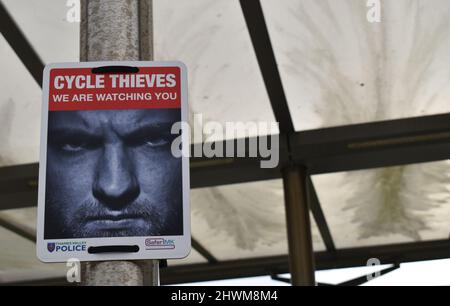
(159, 244)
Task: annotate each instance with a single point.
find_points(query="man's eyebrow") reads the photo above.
(63, 132)
(150, 127)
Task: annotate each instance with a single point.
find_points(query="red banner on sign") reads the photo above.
(80, 89)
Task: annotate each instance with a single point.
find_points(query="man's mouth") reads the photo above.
(113, 217)
(114, 221)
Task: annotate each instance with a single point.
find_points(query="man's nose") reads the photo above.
(115, 184)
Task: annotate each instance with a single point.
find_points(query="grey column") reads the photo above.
(301, 254)
(117, 30)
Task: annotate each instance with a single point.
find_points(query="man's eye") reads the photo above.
(157, 142)
(72, 147)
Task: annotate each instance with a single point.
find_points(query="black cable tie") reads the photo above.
(114, 69)
(113, 249)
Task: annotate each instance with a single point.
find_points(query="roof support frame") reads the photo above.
(345, 148)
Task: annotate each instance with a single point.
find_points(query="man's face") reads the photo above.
(111, 173)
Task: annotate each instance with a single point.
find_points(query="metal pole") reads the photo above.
(301, 254)
(117, 30)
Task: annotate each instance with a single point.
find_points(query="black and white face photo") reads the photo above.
(111, 173)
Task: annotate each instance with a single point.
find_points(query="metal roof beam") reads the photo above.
(21, 45)
(319, 216)
(259, 35)
(203, 251)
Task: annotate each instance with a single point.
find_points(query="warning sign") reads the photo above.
(151, 87)
(111, 185)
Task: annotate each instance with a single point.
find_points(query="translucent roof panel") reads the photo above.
(20, 108)
(387, 205)
(212, 39)
(225, 83)
(243, 220)
(338, 69)
(46, 25)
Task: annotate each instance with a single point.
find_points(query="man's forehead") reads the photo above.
(113, 118)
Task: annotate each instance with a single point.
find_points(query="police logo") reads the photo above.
(51, 246)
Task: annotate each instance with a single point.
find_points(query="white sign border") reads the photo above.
(182, 243)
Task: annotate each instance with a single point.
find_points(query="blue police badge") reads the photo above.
(51, 246)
